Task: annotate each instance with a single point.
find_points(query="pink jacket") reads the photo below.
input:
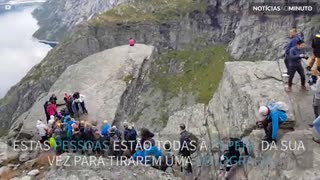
(52, 109)
(132, 42)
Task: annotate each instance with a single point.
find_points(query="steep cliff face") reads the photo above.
(56, 18)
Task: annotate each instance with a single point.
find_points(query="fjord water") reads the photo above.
(19, 51)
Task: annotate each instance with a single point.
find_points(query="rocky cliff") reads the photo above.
(57, 18)
(102, 78)
(179, 29)
(194, 25)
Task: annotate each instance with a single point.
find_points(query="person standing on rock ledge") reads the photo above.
(296, 54)
(294, 38)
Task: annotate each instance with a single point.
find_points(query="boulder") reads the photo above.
(7, 154)
(25, 178)
(33, 172)
(24, 156)
(4, 169)
(88, 168)
(100, 77)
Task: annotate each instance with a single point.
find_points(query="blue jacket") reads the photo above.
(65, 118)
(69, 127)
(316, 125)
(277, 116)
(295, 60)
(292, 43)
(153, 151)
(139, 155)
(105, 130)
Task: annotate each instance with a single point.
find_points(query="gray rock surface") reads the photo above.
(7, 154)
(24, 156)
(33, 172)
(100, 77)
(106, 169)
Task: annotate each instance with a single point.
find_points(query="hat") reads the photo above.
(263, 110)
(182, 126)
(105, 121)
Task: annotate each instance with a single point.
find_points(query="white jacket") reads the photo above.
(42, 128)
(51, 121)
(82, 97)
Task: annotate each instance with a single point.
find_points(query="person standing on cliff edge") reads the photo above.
(132, 42)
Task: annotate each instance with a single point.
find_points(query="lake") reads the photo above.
(19, 52)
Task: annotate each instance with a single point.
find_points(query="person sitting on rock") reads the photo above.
(42, 130)
(168, 159)
(271, 116)
(296, 54)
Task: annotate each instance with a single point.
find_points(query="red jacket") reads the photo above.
(52, 109)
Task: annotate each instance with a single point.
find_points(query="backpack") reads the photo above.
(282, 106)
(192, 143)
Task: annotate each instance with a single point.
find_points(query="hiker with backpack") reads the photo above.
(188, 145)
(271, 116)
(294, 38)
(296, 54)
(68, 100)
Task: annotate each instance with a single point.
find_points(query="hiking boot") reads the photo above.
(304, 88)
(289, 89)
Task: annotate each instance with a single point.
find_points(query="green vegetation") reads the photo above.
(128, 78)
(149, 10)
(195, 71)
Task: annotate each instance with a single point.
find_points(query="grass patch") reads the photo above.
(195, 71)
(149, 10)
(128, 78)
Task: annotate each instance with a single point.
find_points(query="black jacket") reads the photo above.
(316, 46)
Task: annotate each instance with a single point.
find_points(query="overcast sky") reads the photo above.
(19, 52)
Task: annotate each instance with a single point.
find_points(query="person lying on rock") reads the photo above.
(271, 116)
(296, 54)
